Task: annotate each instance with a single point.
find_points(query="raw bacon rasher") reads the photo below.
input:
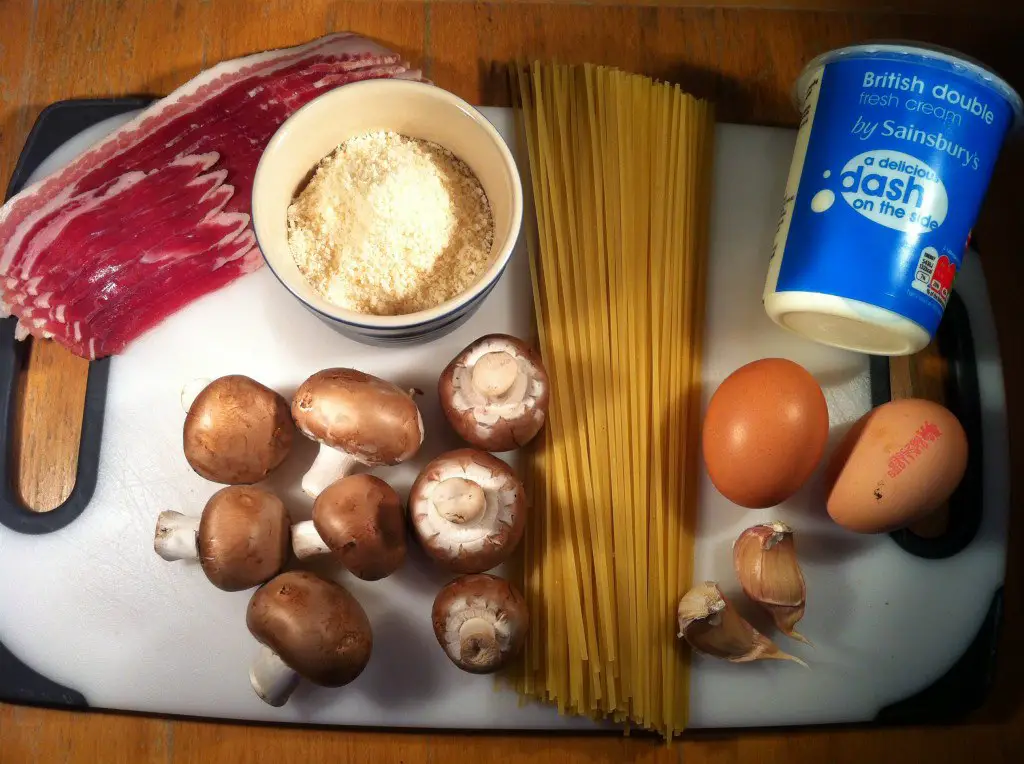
(156, 215)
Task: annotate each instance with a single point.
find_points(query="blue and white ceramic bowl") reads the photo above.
(410, 108)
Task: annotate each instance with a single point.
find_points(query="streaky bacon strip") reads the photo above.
(117, 277)
(203, 88)
(44, 225)
(179, 285)
(110, 223)
(114, 252)
(156, 215)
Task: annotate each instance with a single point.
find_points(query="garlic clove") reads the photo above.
(713, 627)
(786, 619)
(765, 560)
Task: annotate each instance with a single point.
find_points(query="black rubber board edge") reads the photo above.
(963, 398)
(961, 690)
(964, 687)
(20, 684)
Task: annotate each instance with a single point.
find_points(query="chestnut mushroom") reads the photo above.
(236, 430)
(360, 519)
(495, 393)
(357, 419)
(468, 510)
(309, 628)
(241, 539)
(480, 621)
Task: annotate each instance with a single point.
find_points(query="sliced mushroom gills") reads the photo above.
(495, 393)
(468, 510)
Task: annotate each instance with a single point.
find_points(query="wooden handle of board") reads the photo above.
(923, 375)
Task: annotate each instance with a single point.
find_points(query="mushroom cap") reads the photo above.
(243, 537)
(360, 518)
(491, 599)
(315, 626)
(237, 430)
(495, 426)
(484, 541)
(374, 421)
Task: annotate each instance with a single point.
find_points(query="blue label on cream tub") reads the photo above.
(898, 158)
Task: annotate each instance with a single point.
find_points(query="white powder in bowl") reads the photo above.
(390, 225)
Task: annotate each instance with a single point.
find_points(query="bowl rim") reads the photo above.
(460, 301)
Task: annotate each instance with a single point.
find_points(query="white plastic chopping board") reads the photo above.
(97, 611)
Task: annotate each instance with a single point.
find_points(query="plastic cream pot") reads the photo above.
(893, 156)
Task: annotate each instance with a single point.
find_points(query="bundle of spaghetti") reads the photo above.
(619, 176)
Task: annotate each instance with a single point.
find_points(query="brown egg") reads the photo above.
(898, 463)
(764, 432)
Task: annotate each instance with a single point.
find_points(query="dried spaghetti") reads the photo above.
(620, 180)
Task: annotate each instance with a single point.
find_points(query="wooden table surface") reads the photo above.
(742, 53)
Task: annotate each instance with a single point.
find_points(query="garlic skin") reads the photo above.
(713, 627)
(765, 560)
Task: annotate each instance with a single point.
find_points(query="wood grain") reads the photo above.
(743, 57)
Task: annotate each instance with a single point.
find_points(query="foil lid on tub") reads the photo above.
(893, 156)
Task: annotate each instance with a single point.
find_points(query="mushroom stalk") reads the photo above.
(459, 501)
(271, 677)
(478, 643)
(495, 374)
(176, 536)
(330, 464)
(306, 541)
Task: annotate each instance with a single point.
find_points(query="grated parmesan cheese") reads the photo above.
(390, 225)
